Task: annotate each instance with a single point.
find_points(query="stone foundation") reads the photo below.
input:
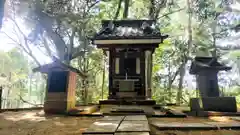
(127, 102)
(219, 104)
(58, 103)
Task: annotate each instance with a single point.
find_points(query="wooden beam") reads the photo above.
(145, 46)
(128, 41)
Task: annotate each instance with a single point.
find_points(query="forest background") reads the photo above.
(36, 32)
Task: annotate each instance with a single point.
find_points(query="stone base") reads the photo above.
(219, 104)
(58, 102)
(127, 102)
(58, 107)
(127, 110)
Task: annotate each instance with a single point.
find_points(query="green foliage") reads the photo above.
(71, 24)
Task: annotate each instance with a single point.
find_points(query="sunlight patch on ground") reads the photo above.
(35, 123)
(220, 119)
(30, 116)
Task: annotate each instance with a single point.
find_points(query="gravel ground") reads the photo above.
(35, 123)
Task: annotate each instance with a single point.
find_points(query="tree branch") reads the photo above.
(176, 73)
(83, 75)
(118, 10)
(24, 49)
(158, 9)
(237, 47)
(171, 13)
(126, 8)
(36, 105)
(76, 54)
(92, 5)
(151, 9)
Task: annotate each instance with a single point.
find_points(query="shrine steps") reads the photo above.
(120, 125)
(127, 102)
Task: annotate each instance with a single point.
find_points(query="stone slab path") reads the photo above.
(134, 126)
(120, 125)
(139, 125)
(195, 125)
(235, 118)
(136, 118)
(224, 125)
(132, 133)
(117, 118)
(102, 127)
(181, 126)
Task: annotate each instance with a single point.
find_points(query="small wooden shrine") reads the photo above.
(60, 91)
(129, 45)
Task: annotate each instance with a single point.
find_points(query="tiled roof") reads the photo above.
(129, 29)
(54, 66)
(205, 63)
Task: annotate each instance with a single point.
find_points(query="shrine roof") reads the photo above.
(129, 29)
(207, 63)
(56, 66)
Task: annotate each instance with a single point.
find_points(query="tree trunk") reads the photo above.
(43, 92)
(30, 89)
(180, 84)
(103, 76)
(184, 59)
(151, 9)
(2, 4)
(189, 27)
(85, 67)
(126, 7)
(118, 10)
(214, 52)
(169, 86)
(1, 89)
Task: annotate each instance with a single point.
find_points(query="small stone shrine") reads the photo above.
(206, 70)
(129, 45)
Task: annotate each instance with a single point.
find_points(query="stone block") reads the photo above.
(132, 133)
(219, 104)
(136, 117)
(225, 125)
(115, 118)
(195, 104)
(134, 126)
(181, 126)
(102, 127)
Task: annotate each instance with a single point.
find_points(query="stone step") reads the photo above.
(133, 126)
(195, 126)
(114, 118)
(132, 133)
(136, 117)
(124, 114)
(122, 110)
(127, 102)
(225, 125)
(119, 125)
(182, 126)
(102, 127)
(235, 118)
